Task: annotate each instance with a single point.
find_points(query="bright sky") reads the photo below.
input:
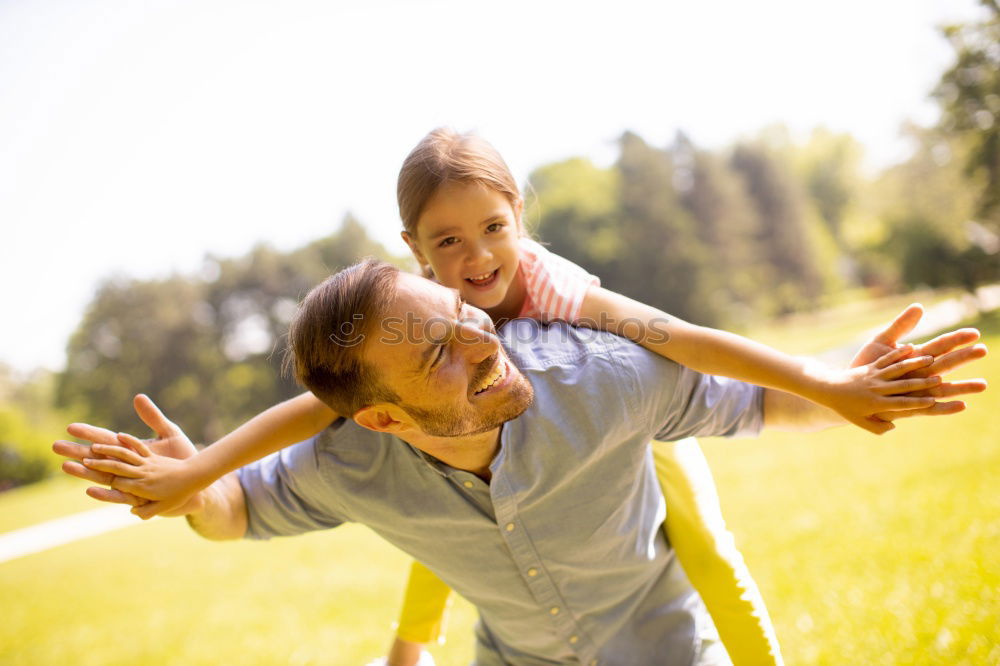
(135, 137)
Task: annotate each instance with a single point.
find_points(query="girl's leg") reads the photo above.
(707, 552)
(425, 606)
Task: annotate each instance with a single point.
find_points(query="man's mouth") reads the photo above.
(495, 378)
(484, 280)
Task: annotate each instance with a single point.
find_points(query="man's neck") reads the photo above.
(472, 453)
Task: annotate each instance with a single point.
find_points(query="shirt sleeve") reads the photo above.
(286, 494)
(678, 402)
(555, 286)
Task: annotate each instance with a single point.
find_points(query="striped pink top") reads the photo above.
(555, 286)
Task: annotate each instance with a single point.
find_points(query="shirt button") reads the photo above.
(510, 527)
(467, 484)
(574, 639)
(532, 572)
(554, 610)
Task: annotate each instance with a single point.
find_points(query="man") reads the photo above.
(517, 469)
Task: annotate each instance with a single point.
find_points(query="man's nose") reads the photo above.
(478, 343)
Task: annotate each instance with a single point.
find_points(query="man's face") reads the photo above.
(443, 359)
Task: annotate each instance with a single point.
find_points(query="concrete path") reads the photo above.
(52, 533)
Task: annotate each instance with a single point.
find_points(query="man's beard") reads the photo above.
(450, 422)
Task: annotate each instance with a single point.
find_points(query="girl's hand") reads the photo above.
(136, 470)
(147, 475)
(949, 351)
(861, 394)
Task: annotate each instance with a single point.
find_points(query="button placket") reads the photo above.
(543, 588)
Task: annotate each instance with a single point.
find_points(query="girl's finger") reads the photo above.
(111, 466)
(135, 444)
(900, 368)
(119, 452)
(901, 386)
(893, 356)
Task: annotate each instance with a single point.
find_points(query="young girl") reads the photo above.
(461, 211)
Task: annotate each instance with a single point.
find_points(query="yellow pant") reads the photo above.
(704, 547)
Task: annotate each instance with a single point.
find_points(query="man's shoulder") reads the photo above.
(534, 345)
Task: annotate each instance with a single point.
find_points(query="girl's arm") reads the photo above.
(856, 394)
(170, 482)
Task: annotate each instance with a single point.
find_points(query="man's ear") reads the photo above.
(384, 417)
(412, 243)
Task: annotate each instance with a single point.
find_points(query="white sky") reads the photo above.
(135, 137)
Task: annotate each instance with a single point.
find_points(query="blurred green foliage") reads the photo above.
(208, 348)
(27, 425)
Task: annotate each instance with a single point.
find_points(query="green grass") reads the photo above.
(868, 551)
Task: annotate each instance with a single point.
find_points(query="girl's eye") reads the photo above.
(494, 227)
(450, 240)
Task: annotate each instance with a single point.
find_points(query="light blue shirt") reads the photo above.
(562, 553)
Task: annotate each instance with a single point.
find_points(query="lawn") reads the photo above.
(868, 551)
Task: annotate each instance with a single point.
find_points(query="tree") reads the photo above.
(969, 95)
(208, 348)
(789, 245)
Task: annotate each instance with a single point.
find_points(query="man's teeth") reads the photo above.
(499, 373)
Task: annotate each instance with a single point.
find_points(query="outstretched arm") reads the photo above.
(860, 395)
(217, 512)
(948, 351)
(170, 481)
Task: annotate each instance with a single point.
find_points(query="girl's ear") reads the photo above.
(409, 240)
(518, 209)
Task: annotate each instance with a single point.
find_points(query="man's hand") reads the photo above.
(950, 351)
(93, 464)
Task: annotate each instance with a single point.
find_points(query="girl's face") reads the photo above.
(468, 235)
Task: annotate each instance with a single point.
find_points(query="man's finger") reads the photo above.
(152, 416)
(938, 409)
(114, 496)
(948, 341)
(947, 362)
(951, 389)
(148, 510)
(901, 325)
(92, 433)
(73, 468)
(70, 449)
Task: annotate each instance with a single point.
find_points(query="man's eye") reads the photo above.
(450, 240)
(439, 357)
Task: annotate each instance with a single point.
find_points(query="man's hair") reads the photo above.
(329, 332)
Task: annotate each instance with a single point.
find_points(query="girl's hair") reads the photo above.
(446, 156)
